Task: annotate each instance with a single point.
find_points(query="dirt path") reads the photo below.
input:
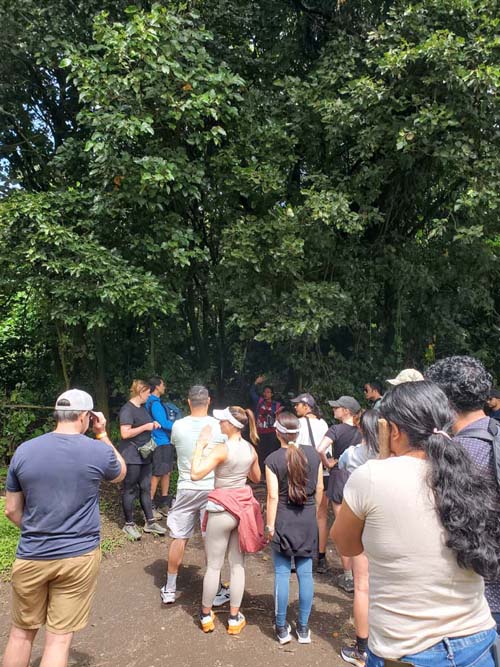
(130, 628)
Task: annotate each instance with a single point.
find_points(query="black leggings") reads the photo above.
(137, 475)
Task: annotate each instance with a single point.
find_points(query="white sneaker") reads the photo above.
(222, 596)
(236, 625)
(131, 531)
(167, 597)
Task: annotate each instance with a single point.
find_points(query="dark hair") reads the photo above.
(296, 462)
(467, 507)
(154, 381)
(464, 380)
(375, 384)
(368, 424)
(245, 416)
(268, 386)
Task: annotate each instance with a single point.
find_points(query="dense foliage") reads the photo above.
(212, 189)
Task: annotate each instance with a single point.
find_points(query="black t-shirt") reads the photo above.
(131, 415)
(343, 436)
(276, 462)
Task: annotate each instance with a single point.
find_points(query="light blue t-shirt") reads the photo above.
(59, 476)
(185, 433)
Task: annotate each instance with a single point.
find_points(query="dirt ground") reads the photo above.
(130, 627)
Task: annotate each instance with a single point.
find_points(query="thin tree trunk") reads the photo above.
(101, 387)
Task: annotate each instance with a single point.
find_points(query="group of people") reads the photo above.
(413, 482)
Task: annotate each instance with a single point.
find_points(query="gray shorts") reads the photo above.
(187, 509)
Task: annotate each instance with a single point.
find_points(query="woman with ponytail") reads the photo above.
(430, 528)
(233, 520)
(294, 478)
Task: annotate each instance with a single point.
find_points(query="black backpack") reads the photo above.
(491, 434)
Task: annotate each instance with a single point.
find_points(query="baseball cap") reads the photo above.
(407, 375)
(304, 398)
(348, 402)
(75, 400)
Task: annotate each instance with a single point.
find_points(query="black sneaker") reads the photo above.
(303, 634)
(283, 634)
(322, 566)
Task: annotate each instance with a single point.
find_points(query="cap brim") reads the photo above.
(296, 400)
(334, 404)
(220, 415)
(393, 381)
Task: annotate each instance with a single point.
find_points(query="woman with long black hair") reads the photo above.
(431, 531)
(294, 479)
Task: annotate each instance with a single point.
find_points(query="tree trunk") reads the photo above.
(101, 387)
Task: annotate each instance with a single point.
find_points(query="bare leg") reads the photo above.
(175, 555)
(323, 523)
(361, 590)
(18, 649)
(56, 649)
(165, 484)
(346, 562)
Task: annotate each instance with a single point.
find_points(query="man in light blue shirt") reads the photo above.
(191, 499)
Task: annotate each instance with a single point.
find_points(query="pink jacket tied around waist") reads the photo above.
(243, 506)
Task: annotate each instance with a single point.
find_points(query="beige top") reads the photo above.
(233, 472)
(418, 593)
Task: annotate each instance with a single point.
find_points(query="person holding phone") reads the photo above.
(136, 425)
(429, 527)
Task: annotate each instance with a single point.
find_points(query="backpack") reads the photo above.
(491, 434)
(173, 412)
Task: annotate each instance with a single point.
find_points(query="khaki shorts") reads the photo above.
(55, 593)
(187, 510)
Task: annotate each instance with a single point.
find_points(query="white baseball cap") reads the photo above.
(407, 375)
(74, 400)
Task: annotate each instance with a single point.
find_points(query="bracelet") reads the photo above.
(102, 435)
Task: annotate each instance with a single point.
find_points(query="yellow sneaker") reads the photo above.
(236, 625)
(207, 621)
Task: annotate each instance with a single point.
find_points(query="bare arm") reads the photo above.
(319, 487)
(322, 448)
(14, 507)
(127, 431)
(272, 500)
(254, 472)
(200, 465)
(347, 531)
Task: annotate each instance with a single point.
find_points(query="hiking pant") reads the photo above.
(221, 535)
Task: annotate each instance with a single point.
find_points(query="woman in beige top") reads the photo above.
(232, 462)
(431, 531)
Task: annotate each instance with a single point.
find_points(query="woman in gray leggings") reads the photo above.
(232, 462)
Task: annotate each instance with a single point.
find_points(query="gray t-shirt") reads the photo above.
(185, 433)
(59, 476)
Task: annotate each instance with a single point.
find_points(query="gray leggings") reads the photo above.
(222, 535)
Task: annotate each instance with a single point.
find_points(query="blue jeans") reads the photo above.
(282, 567)
(471, 651)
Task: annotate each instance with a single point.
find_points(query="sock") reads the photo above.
(151, 521)
(171, 582)
(234, 617)
(129, 523)
(164, 500)
(321, 555)
(348, 574)
(361, 644)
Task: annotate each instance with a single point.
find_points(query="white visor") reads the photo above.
(281, 429)
(225, 415)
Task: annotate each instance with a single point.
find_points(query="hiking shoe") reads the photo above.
(167, 597)
(222, 596)
(131, 531)
(345, 583)
(157, 515)
(352, 655)
(236, 625)
(322, 566)
(283, 634)
(303, 634)
(207, 621)
(154, 528)
(162, 510)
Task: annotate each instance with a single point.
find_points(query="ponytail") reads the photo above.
(254, 436)
(297, 468)
(467, 507)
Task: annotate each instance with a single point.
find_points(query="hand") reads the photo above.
(150, 426)
(260, 379)
(98, 422)
(205, 436)
(269, 533)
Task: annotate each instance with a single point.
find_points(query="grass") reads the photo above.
(9, 537)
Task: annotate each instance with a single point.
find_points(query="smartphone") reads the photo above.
(397, 663)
